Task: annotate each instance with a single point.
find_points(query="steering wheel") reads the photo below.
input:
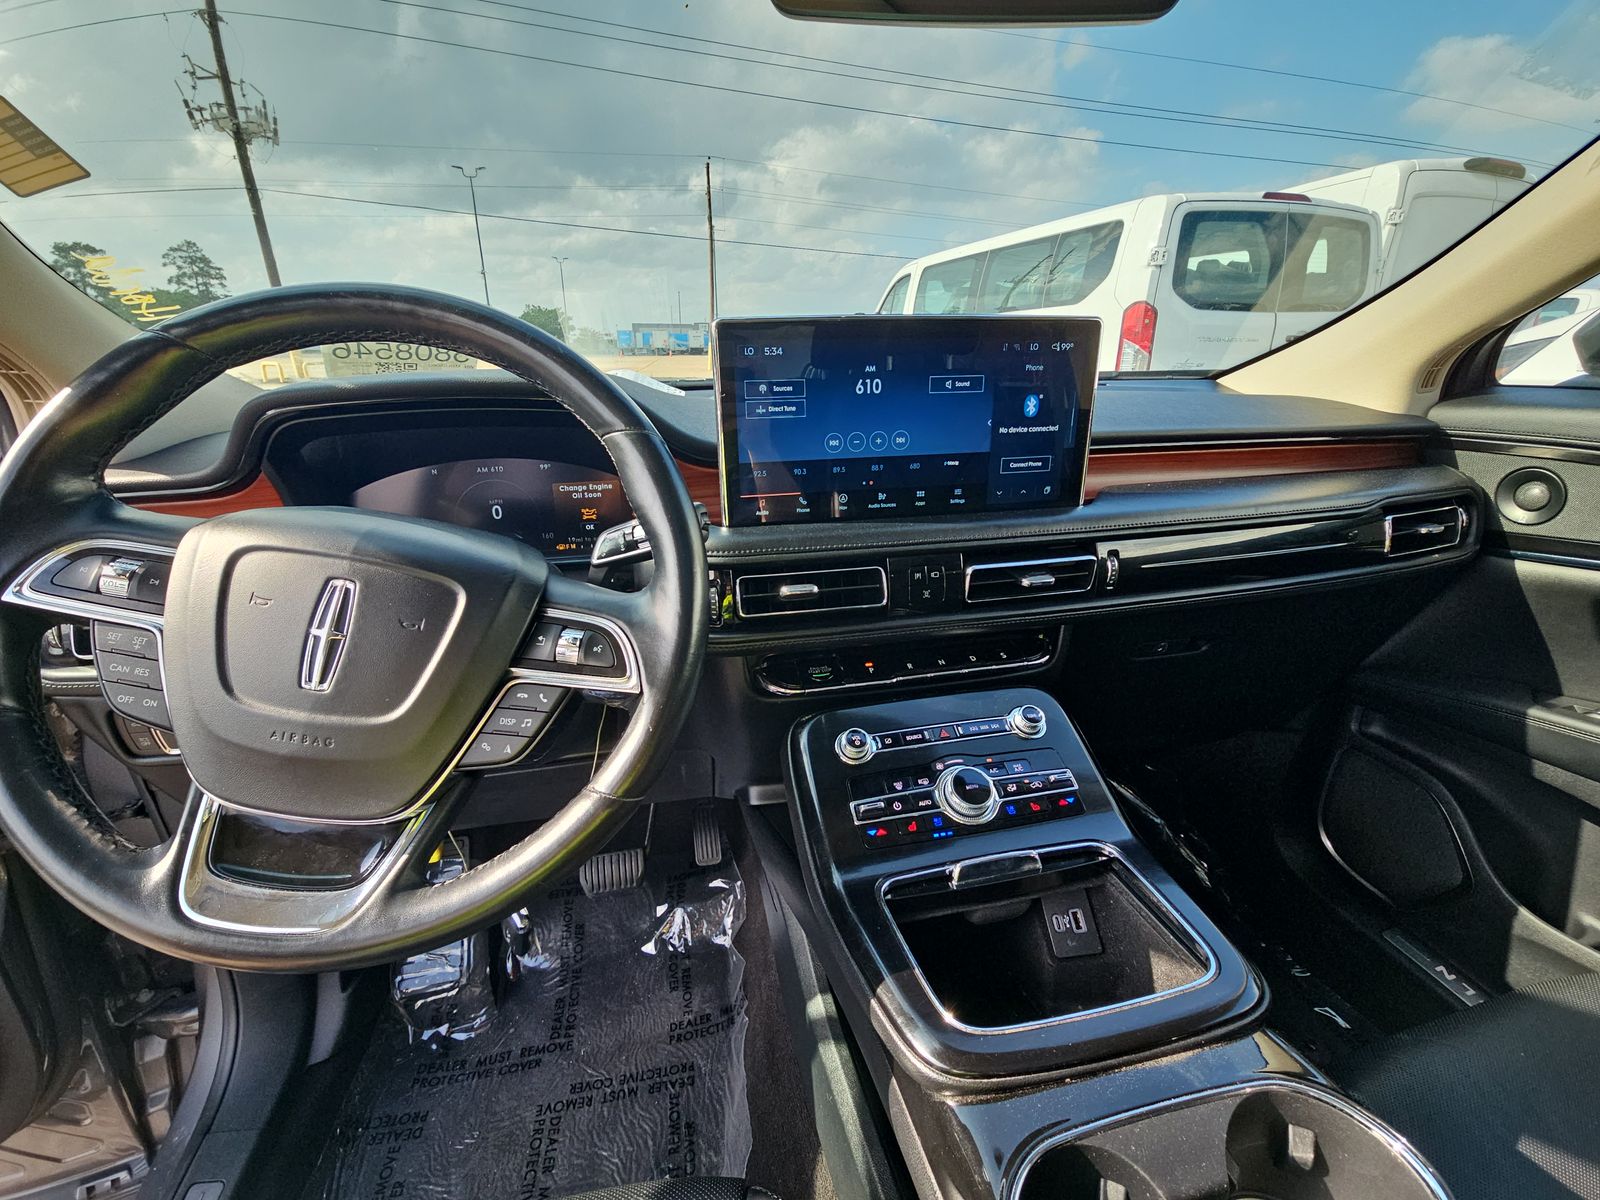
(325, 669)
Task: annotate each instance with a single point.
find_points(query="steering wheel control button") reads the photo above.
(524, 722)
(855, 746)
(81, 574)
(541, 644)
(597, 651)
(1026, 720)
(125, 668)
(149, 583)
(116, 577)
(140, 703)
(541, 697)
(569, 647)
(967, 795)
(494, 750)
(125, 639)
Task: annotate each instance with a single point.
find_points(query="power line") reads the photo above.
(1351, 83)
(166, 12)
(749, 162)
(729, 90)
(1018, 96)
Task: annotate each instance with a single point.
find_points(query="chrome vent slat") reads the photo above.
(1030, 579)
(805, 593)
(1424, 531)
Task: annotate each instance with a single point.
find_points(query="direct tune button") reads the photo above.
(967, 795)
(854, 746)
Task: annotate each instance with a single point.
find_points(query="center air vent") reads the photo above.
(798, 593)
(1424, 530)
(1034, 578)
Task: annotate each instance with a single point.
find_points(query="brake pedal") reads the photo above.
(614, 871)
(707, 837)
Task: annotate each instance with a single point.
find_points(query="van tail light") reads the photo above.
(1138, 336)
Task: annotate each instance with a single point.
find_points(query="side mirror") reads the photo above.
(977, 12)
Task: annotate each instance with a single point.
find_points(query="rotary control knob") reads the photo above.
(855, 746)
(1026, 720)
(967, 795)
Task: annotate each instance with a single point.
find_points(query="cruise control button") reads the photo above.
(491, 750)
(141, 739)
(125, 668)
(125, 639)
(524, 722)
(81, 574)
(140, 703)
(542, 697)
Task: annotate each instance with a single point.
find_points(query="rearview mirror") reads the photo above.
(978, 12)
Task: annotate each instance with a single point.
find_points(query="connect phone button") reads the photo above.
(140, 703)
(541, 697)
(493, 749)
(124, 639)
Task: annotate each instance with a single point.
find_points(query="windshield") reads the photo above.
(1210, 185)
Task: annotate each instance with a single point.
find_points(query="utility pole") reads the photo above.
(561, 265)
(472, 190)
(711, 242)
(680, 306)
(256, 124)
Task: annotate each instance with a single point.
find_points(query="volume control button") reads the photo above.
(854, 746)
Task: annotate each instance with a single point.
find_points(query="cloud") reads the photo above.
(1494, 74)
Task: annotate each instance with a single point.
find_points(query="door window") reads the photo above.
(950, 287)
(1016, 276)
(895, 301)
(1084, 257)
(1227, 261)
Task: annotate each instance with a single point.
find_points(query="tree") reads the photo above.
(192, 275)
(547, 319)
(67, 259)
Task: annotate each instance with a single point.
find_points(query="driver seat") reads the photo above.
(694, 1188)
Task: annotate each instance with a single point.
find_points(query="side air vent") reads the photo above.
(799, 593)
(1032, 579)
(1423, 531)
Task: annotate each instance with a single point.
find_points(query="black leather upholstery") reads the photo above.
(707, 1188)
(1499, 1098)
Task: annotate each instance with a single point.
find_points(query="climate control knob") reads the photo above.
(967, 795)
(1026, 720)
(855, 746)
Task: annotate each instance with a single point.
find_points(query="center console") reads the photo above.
(1002, 917)
(1061, 1021)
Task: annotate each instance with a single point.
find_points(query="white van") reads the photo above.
(1190, 282)
(1424, 204)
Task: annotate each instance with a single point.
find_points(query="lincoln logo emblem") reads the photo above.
(325, 640)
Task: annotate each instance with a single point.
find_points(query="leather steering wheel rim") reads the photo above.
(53, 495)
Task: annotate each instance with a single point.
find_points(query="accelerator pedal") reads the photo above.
(614, 871)
(707, 837)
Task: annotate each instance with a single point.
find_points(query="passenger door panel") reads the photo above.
(1489, 701)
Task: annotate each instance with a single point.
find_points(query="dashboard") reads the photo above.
(557, 508)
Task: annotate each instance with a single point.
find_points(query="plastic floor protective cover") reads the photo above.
(616, 1057)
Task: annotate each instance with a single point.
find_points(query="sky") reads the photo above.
(837, 152)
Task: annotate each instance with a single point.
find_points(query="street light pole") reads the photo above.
(472, 189)
(561, 266)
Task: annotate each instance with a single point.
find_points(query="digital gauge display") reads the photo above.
(557, 508)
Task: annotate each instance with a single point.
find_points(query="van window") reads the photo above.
(950, 287)
(1226, 260)
(1084, 257)
(1016, 276)
(895, 301)
(1327, 263)
(1562, 306)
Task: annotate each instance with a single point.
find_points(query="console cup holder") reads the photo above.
(1257, 1141)
(1031, 943)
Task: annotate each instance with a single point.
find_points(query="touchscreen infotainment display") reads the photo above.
(884, 417)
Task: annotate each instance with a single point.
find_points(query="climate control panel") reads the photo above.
(923, 772)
